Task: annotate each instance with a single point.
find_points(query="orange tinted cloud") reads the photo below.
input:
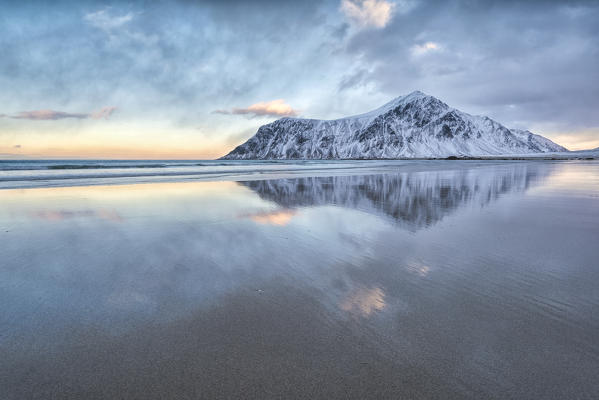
(38, 115)
(424, 48)
(274, 108)
(368, 13)
(104, 112)
(50, 115)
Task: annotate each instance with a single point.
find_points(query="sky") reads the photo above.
(193, 79)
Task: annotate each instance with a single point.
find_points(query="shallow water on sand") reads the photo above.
(462, 280)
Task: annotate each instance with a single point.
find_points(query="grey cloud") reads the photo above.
(519, 62)
(102, 19)
(340, 32)
(165, 60)
(104, 112)
(524, 63)
(47, 115)
(353, 80)
(44, 115)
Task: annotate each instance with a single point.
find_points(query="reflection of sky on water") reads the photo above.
(453, 251)
(58, 215)
(277, 217)
(136, 247)
(364, 301)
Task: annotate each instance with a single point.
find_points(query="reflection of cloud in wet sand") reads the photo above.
(419, 269)
(277, 217)
(128, 298)
(60, 215)
(364, 301)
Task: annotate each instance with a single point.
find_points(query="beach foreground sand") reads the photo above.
(464, 281)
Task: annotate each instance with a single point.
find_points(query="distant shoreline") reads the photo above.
(61, 174)
(574, 155)
(545, 157)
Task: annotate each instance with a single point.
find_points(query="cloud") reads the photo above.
(103, 20)
(340, 32)
(39, 115)
(539, 74)
(104, 112)
(50, 115)
(17, 146)
(353, 80)
(118, 29)
(368, 13)
(274, 108)
(540, 56)
(419, 49)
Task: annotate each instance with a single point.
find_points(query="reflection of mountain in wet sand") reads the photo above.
(417, 199)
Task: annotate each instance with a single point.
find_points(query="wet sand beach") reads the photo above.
(466, 280)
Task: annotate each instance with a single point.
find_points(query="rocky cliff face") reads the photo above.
(412, 126)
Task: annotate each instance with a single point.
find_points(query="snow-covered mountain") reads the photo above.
(412, 126)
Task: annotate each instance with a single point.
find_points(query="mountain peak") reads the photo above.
(414, 97)
(417, 93)
(418, 96)
(414, 125)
